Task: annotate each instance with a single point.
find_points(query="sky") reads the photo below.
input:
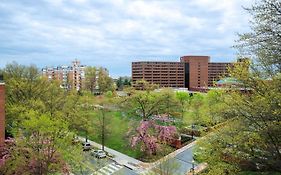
(113, 33)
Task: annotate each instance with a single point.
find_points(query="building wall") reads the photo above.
(165, 74)
(68, 76)
(2, 113)
(198, 70)
(217, 71)
(192, 72)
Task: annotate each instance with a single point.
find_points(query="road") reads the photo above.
(180, 164)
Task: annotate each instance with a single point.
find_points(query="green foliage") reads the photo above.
(250, 139)
(123, 82)
(118, 127)
(98, 79)
(105, 82)
(43, 146)
(142, 104)
(109, 94)
(90, 78)
(262, 43)
(144, 85)
(38, 110)
(168, 103)
(184, 99)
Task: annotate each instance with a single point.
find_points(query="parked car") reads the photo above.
(98, 154)
(76, 141)
(86, 146)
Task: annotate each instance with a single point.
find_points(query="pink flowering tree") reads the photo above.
(43, 146)
(149, 135)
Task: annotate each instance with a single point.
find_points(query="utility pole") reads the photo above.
(102, 124)
(103, 128)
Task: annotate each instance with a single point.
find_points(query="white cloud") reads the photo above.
(118, 30)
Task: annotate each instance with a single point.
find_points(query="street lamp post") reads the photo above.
(192, 169)
(102, 108)
(192, 130)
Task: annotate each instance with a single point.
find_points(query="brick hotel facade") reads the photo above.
(191, 72)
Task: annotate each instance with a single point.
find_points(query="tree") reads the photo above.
(250, 141)
(262, 43)
(104, 81)
(90, 78)
(214, 102)
(144, 85)
(196, 103)
(149, 134)
(102, 128)
(167, 166)
(119, 83)
(183, 98)
(98, 79)
(31, 101)
(147, 102)
(42, 148)
(24, 89)
(142, 103)
(123, 81)
(127, 82)
(169, 103)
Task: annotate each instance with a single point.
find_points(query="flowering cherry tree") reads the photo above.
(149, 134)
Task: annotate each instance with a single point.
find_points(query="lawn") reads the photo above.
(118, 136)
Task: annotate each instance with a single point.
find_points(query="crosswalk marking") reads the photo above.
(104, 171)
(109, 169)
(116, 167)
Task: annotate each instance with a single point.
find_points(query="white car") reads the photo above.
(98, 154)
(86, 146)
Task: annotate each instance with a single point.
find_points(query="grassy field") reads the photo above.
(117, 137)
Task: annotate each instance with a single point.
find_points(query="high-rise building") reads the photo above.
(77, 75)
(196, 71)
(165, 74)
(192, 72)
(68, 76)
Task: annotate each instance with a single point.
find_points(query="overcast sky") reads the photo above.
(113, 33)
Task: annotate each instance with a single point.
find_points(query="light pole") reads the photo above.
(192, 169)
(192, 130)
(102, 108)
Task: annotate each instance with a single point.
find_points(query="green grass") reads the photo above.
(117, 137)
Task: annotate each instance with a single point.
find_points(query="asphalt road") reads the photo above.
(125, 171)
(180, 164)
(95, 165)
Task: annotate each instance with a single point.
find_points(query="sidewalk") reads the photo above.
(120, 158)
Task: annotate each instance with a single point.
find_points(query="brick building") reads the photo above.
(165, 74)
(68, 76)
(216, 71)
(191, 72)
(2, 111)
